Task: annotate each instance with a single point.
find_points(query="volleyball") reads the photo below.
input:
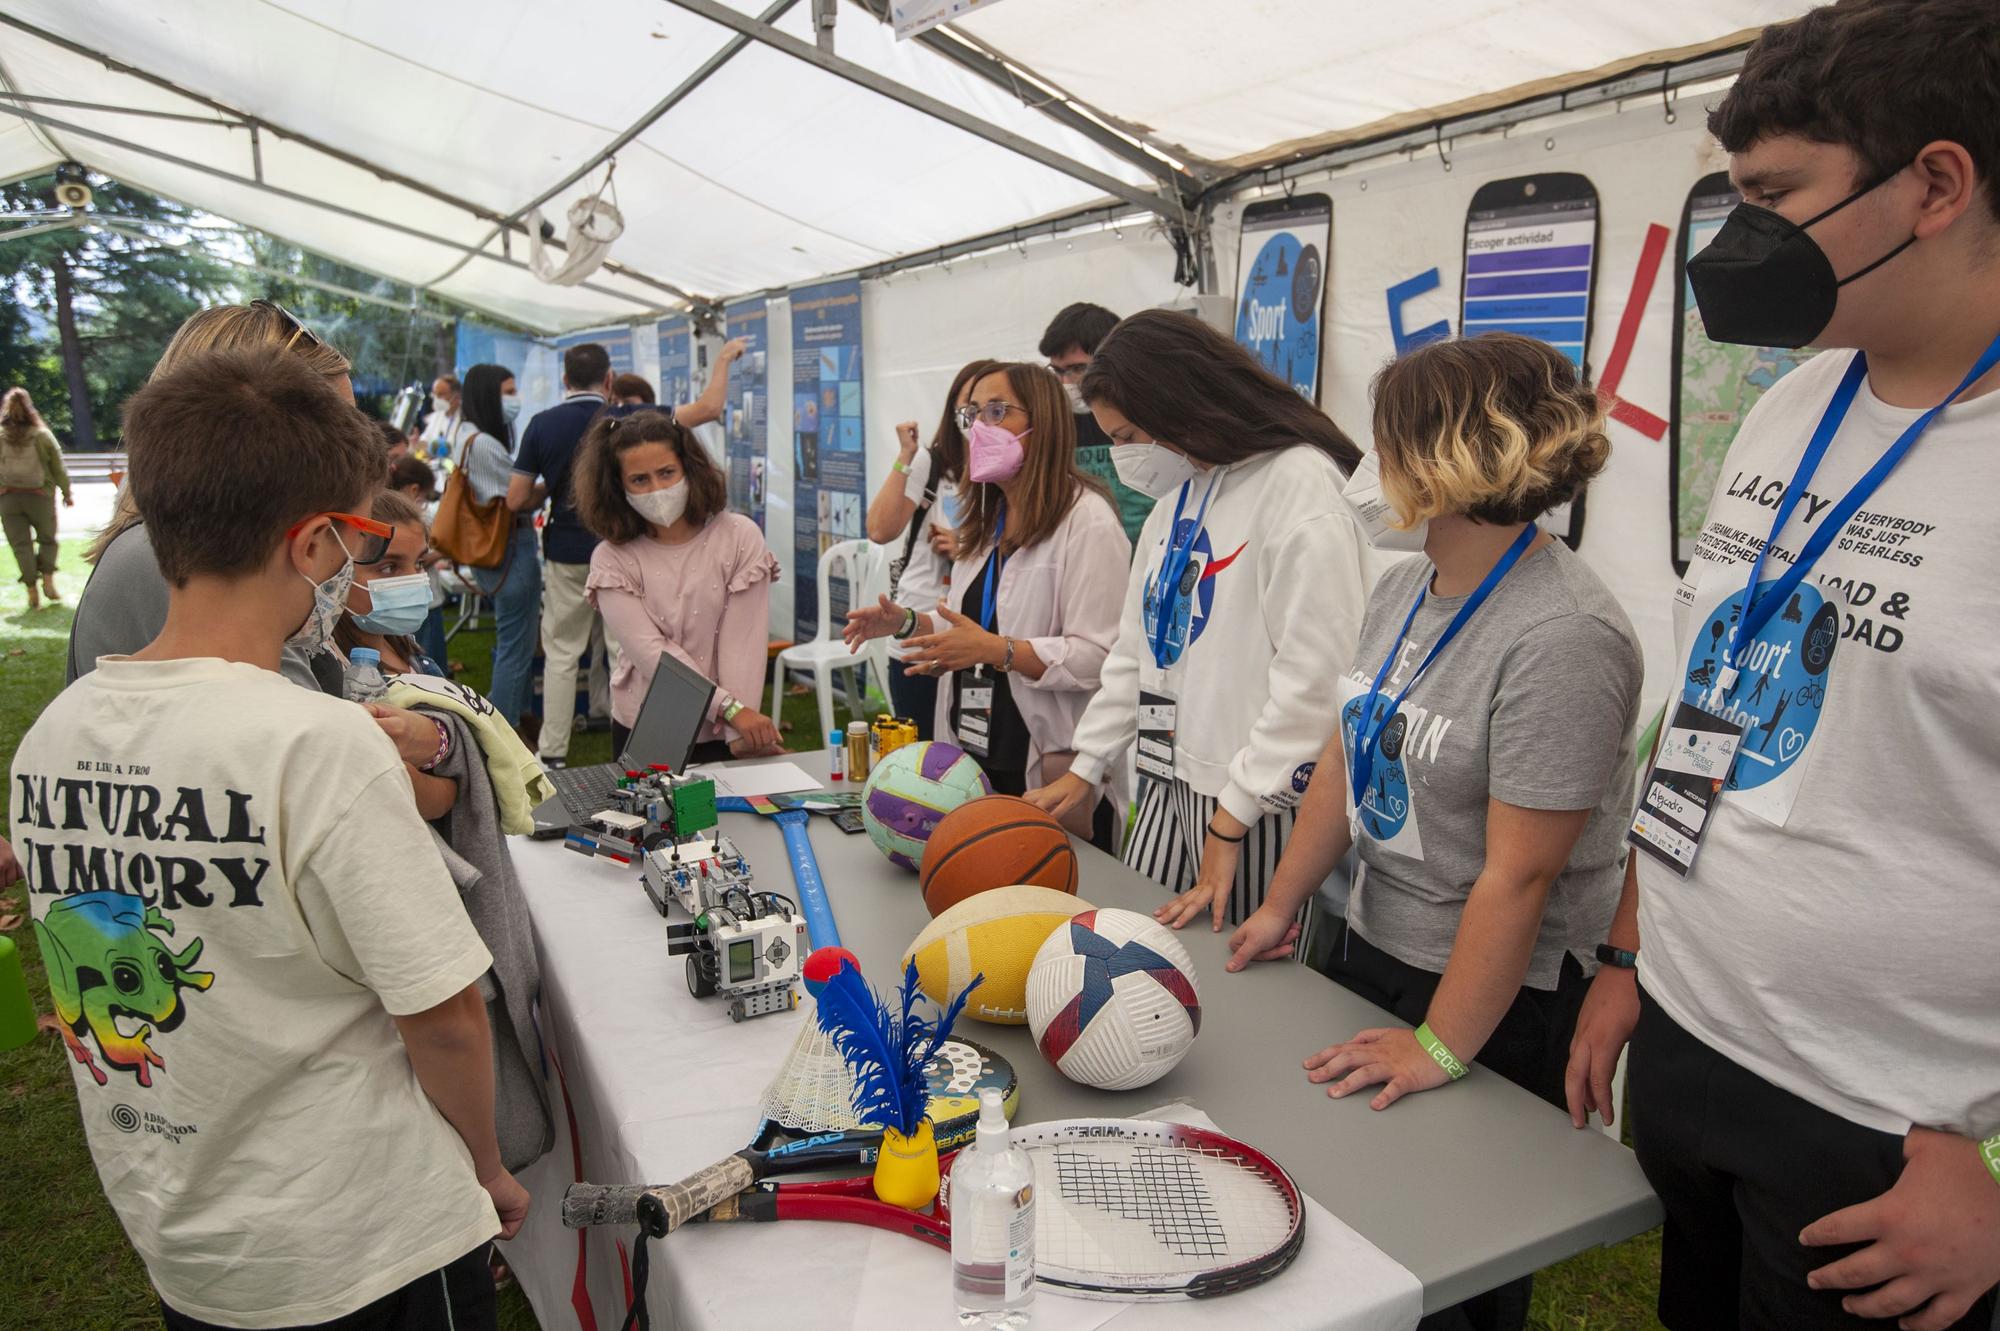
(910, 791)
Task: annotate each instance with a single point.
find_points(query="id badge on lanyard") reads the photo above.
(1157, 714)
(975, 716)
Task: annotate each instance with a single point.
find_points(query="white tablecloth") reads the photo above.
(653, 1084)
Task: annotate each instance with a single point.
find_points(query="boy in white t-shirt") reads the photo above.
(260, 965)
(1815, 1070)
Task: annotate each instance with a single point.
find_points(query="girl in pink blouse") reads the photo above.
(676, 572)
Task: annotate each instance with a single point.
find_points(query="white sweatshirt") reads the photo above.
(1283, 579)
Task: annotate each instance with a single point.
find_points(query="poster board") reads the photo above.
(676, 384)
(1282, 257)
(616, 341)
(828, 461)
(1715, 383)
(746, 411)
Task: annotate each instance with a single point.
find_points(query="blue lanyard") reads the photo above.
(1368, 729)
(1174, 565)
(1757, 610)
(993, 569)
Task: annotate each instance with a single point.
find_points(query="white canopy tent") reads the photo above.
(412, 142)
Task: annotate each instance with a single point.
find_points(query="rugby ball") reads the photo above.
(995, 933)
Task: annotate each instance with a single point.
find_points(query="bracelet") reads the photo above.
(1232, 840)
(909, 624)
(1607, 955)
(1989, 1154)
(730, 709)
(444, 745)
(1442, 1056)
(900, 465)
(1007, 661)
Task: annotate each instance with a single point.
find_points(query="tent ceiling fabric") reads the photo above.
(773, 171)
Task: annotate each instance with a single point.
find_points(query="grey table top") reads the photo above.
(1468, 1186)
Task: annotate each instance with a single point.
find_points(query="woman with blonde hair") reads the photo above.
(125, 602)
(31, 471)
(1019, 640)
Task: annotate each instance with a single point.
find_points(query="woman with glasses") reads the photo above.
(917, 502)
(1243, 605)
(124, 605)
(482, 442)
(1020, 636)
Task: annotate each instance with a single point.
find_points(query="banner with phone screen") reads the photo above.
(1530, 268)
(1282, 260)
(1716, 383)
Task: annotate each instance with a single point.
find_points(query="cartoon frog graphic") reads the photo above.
(107, 966)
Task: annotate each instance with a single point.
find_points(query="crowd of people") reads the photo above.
(1380, 721)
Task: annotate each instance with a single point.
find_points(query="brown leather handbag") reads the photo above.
(465, 530)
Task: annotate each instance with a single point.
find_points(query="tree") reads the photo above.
(113, 301)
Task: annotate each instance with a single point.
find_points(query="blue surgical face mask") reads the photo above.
(510, 407)
(400, 605)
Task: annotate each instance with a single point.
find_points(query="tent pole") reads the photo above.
(717, 12)
(74, 104)
(23, 232)
(254, 124)
(728, 52)
(294, 197)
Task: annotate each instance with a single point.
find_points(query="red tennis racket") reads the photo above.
(1124, 1209)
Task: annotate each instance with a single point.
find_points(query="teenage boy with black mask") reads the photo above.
(1815, 1071)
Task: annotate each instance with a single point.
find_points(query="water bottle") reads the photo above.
(993, 1226)
(364, 676)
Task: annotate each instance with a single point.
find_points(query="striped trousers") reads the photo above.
(1166, 843)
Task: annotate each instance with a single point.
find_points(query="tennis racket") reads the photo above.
(1125, 1210)
(956, 1075)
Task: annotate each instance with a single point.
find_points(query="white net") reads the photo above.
(812, 1089)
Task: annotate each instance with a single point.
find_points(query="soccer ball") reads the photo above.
(1112, 999)
(909, 793)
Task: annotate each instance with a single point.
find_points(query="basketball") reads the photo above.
(995, 934)
(997, 841)
(911, 790)
(1112, 999)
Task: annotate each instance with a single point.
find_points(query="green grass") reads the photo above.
(66, 1261)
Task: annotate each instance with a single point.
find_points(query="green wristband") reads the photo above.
(1989, 1153)
(1441, 1055)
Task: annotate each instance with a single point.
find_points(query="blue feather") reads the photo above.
(885, 1051)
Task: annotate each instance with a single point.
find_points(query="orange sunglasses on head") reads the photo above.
(375, 536)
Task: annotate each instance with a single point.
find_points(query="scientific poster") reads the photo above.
(745, 411)
(1716, 382)
(1282, 257)
(676, 384)
(617, 341)
(827, 459)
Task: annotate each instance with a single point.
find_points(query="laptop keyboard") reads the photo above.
(586, 790)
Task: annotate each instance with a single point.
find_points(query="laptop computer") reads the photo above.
(670, 718)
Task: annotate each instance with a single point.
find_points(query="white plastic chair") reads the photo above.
(866, 568)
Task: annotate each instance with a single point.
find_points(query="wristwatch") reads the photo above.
(1608, 955)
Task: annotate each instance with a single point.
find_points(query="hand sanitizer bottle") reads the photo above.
(992, 1196)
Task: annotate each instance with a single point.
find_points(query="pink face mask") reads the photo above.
(993, 452)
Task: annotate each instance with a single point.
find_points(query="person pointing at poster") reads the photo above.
(1815, 1056)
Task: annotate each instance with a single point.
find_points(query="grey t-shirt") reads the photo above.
(1533, 703)
(124, 607)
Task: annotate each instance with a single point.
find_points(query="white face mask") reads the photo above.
(662, 508)
(329, 600)
(1373, 511)
(510, 407)
(1151, 469)
(1074, 392)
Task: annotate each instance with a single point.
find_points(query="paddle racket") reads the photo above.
(1125, 1210)
(956, 1074)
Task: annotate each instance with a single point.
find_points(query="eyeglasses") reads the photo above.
(1069, 374)
(375, 536)
(298, 325)
(992, 413)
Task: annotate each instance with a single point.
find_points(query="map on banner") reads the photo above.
(616, 341)
(746, 411)
(1718, 382)
(828, 461)
(676, 384)
(1282, 258)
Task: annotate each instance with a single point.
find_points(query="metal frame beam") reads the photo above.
(293, 196)
(729, 51)
(255, 124)
(1072, 113)
(74, 104)
(717, 12)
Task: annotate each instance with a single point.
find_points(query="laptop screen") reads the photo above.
(670, 718)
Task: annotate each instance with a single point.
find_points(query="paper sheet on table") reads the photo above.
(779, 778)
(1338, 1282)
